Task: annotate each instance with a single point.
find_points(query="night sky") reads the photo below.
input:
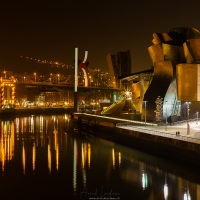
(51, 30)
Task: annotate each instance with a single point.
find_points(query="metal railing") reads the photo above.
(158, 133)
(133, 123)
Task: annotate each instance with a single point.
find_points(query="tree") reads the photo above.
(159, 109)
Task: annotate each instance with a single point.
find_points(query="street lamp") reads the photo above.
(145, 105)
(166, 115)
(4, 73)
(35, 76)
(90, 80)
(58, 77)
(50, 77)
(188, 112)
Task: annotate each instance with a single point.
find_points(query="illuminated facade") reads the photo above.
(7, 92)
(174, 75)
(175, 57)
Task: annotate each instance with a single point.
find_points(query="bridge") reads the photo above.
(66, 86)
(51, 94)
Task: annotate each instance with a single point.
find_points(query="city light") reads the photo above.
(47, 62)
(165, 191)
(166, 188)
(186, 195)
(166, 115)
(145, 105)
(188, 112)
(128, 94)
(35, 74)
(144, 180)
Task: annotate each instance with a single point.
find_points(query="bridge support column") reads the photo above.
(141, 91)
(75, 101)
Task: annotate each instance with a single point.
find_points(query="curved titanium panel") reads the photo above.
(156, 39)
(156, 53)
(136, 94)
(194, 48)
(159, 38)
(187, 86)
(166, 37)
(170, 101)
(136, 90)
(163, 74)
(187, 54)
(192, 33)
(173, 53)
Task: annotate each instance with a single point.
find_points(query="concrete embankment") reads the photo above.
(151, 140)
(11, 113)
(161, 145)
(45, 110)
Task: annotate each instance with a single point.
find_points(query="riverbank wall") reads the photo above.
(46, 110)
(176, 148)
(12, 113)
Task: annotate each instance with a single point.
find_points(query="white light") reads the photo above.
(186, 196)
(165, 191)
(144, 180)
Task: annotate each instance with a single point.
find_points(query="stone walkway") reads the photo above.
(192, 131)
(191, 134)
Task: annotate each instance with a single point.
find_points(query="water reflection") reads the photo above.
(75, 167)
(144, 180)
(165, 188)
(43, 152)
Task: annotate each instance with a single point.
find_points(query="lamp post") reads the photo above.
(58, 77)
(4, 74)
(166, 115)
(35, 76)
(90, 80)
(188, 112)
(50, 78)
(145, 105)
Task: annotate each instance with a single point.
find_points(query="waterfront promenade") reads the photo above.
(152, 138)
(177, 132)
(193, 132)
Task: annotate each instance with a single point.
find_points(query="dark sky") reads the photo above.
(51, 30)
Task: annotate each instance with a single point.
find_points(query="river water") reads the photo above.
(41, 157)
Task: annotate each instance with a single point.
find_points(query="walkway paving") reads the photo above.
(192, 131)
(191, 134)
(188, 134)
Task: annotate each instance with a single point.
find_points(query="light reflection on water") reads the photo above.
(41, 157)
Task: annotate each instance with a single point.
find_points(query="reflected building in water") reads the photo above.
(44, 146)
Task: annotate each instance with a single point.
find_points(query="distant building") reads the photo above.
(7, 92)
(119, 65)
